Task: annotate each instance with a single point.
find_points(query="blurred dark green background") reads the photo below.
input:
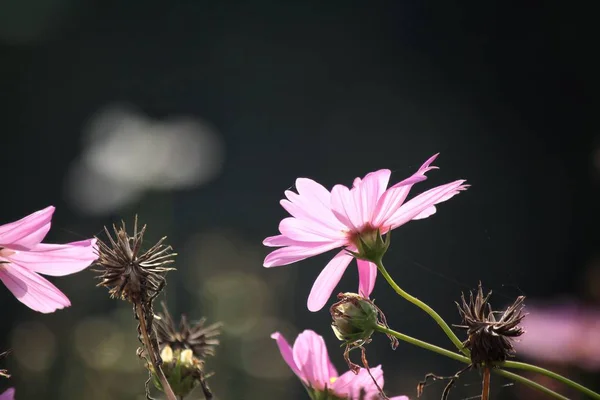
(240, 98)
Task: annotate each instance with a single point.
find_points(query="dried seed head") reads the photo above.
(201, 339)
(490, 337)
(128, 273)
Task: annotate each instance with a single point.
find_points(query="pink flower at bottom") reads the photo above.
(8, 395)
(23, 257)
(309, 360)
(321, 221)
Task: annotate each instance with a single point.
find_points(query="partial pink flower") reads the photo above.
(8, 395)
(309, 360)
(321, 221)
(564, 333)
(23, 256)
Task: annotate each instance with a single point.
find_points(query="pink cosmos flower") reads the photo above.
(323, 220)
(23, 256)
(309, 360)
(8, 395)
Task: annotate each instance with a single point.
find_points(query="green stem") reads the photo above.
(445, 327)
(528, 382)
(550, 374)
(466, 360)
(459, 345)
(424, 345)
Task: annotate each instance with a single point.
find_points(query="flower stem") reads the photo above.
(485, 391)
(151, 352)
(466, 360)
(445, 327)
(507, 364)
(550, 374)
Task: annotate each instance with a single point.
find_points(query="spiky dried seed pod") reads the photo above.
(490, 338)
(126, 271)
(198, 337)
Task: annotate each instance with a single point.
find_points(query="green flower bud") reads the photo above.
(182, 370)
(354, 317)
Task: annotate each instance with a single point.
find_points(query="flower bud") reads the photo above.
(354, 317)
(371, 246)
(182, 370)
(167, 355)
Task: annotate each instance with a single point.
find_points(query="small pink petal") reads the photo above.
(345, 208)
(312, 202)
(26, 232)
(306, 231)
(32, 290)
(393, 198)
(367, 273)
(370, 190)
(310, 355)
(350, 385)
(279, 241)
(422, 202)
(288, 355)
(57, 259)
(314, 191)
(8, 394)
(291, 254)
(428, 212)
(423, 169)
(323, 221)
(328, 280)
(431, 210)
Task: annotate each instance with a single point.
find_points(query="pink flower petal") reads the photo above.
(8, 395)
(279, 241)
(32, 290)
(328, 226)
(370, 190)
(367, 273)
(310, 355)
(350, 385)
(312, 202)
(431, 210)
(306, 231)
(57, 259)
(393, 198)
(26, 232)
(328, 280)
(345, 208)
(422, 202)
(292, 254)
(288, 355)
(313, 191)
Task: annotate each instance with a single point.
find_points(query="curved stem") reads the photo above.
(550, 374)
(445, 327)
(529, 382)
(424, 345)
(458, 343)
(466, 360)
